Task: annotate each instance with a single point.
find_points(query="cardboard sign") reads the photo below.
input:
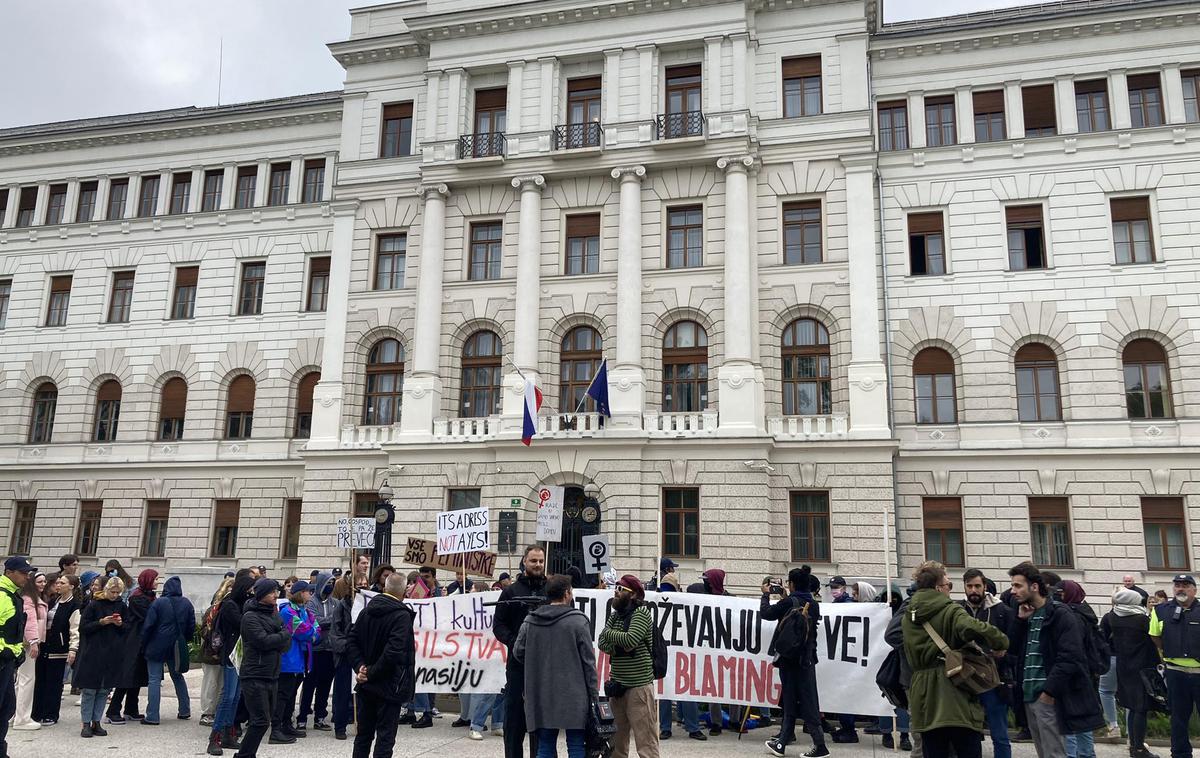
(550, 513)
(463, 531)
(419, 552)
(356, 534)
(596, 554)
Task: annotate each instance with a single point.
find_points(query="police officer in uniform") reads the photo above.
(1175, 629)
(12, 638)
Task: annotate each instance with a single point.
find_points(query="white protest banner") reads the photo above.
(463, 531)
(550, 513)
(419, 552)
(718, 648)
(356, 533)
(596, 554)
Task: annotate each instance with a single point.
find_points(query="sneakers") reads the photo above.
(279, 738)
(817, 752)
(424, 722)
(697, 735)
(775, 748)
(28, 726)
(116, 720)
(845, 736)
(664, 734)
(1111, 733)
(477, 736)
(206, 720)
(320, 725)
(498, 732)
(906, 743)
(146, 722)
(407, 717)
(714, 731)
(340, 734)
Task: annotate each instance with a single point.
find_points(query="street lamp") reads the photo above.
(385, 516)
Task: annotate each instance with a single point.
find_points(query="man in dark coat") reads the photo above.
(510, 614)
(982, 606)
(382, 653)
(169, 626)
(798, 674)
(264, 640)
(1175, 630)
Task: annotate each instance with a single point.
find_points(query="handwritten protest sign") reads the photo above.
(718, 648)
(550, 513)
(421, 552)
(462, 531)
(356, 534)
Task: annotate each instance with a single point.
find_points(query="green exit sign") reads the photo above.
(515, 501)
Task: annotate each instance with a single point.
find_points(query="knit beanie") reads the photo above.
(264, 587)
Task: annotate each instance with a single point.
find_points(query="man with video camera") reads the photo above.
(628, 638)
(515, 603)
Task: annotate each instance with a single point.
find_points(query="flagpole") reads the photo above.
(517, 368)
(583, 399)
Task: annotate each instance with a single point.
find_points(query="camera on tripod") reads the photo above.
(602, 728)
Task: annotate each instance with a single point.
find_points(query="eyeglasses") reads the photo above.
(623, 588)
(947, 585)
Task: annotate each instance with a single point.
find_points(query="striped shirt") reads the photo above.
(630, 651)
(1034, 680)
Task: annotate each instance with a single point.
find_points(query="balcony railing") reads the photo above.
(482, 145)
(570, 425)
(677, 125)
(680, 424)
(466, 429)
(358, 437)
(807, 427)
(575, 136)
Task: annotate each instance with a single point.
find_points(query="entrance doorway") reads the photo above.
(581, 518)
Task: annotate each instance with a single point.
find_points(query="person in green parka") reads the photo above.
(944, 715)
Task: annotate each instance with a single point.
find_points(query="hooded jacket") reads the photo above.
(555, 645)
(934, 702)
(776, 611)
(320, 607)
(298, 622)
(264, 641)
(229, 618)
(712, 582)
(169, 626)
(1068, 681)
(382, 640)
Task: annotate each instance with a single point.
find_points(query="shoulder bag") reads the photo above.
(970, 669)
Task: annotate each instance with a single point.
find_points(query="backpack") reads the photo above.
(1095, 648)
(888, 680)
(658, 647)
(210, 637)
(792, 633)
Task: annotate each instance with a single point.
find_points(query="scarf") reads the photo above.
(145, 582)
(1127, 602)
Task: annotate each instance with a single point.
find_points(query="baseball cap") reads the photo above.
(18, 563)
(503, 576)
(301, 586)
(666, 565)
(837, 581)
(1181, 578)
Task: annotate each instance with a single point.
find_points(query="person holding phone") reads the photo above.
(97, 668)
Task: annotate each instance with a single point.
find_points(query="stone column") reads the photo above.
(740, 380)
(964, 115)
(14, 203)
(1064, 104)
(162, 203)
(1172, 93)
(1014, 111)
(196, 198)
(133, 191)
(330, 174)
(103, 189)
(626, 376)
(228, 187)
(423, 385)
(454, 104)
(867, 375)
(741, 83)
(916, 120)
(42, 204)
(71, 204)
(262, 184)
(295, 180)
(1118, 99)
(526, 311)
(329, 393)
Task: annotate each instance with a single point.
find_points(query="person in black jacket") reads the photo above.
(99, 663)
(382, 653)
(229, 629)
(264, 640)
(797, 674)
(510, 614)
(62, 644)
(133, 675)
(1127, 629)
(983, 606)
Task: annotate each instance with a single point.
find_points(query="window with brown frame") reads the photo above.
(807, 383)
(685, 368)
(487, 250)
(802, 232)
(395, 137)
(942, 518)
(26, 206)
(802, 86)
(247, 180)
(108, 411)
(181, 193)
(318, 284)
(41, 421)
(118, 195)
(1165, 533)
(926, 244)
(313, 190)
(481, 367)
(579, 359)
(239, 408)
(1091, 105)
(250, 296)
(154, 533)
(22, 534)
(60, 300)
(148, 196)
(685, 236)
(5, 298)
(384, 389)
(1050, 532)
(183, 300)
(85, 208)
(213, 183)
(684, 87)
(1145, 100)
(583, 112)
(302, 429)
(810, 526)
(1041, 115)
(390, 255)
(281, 181)
(583, 244)
(90, 512)
(56, 203)
(226, 514)
(893, 125)
(172, 409)
(293, 509)
(989, 116)
(1037, 383)
(1147, 391)
(1132, 236)
(1191, 95)
(1026, 237)
(933, 385)
(681, 522)
(120, 299)
(940, 129)
(490, 110)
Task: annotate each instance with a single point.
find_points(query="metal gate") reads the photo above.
(581, 518)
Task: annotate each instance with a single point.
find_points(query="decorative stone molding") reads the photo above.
(531, 183)
(632, 172)
(733, 163)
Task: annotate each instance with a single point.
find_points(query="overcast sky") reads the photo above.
(82, 58)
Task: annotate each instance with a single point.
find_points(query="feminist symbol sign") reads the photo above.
(550, 513)
(596, 554)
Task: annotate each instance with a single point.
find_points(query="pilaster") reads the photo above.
(14, 202)
(423, 386)
(228, 186)
(1172, 92)
(71, 204)
(162, 203)
(43, 202)
(627, 375)
(454, 103)
(329, 394)
(103, 190)
(1064, 104)
(295, 179)
(196, 197)
(916, 120)
(1118, 99)
(964, 115)
(1014, 111)
(262, 184)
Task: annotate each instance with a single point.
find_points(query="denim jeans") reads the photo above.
(465, 709)
(995, 714)
(154, 690)
(92, 708)
(482, 706)
(229, 700)
(1108, 693)
(548, 743)
(422, 703)
(902, 722)
(688, 711)
(1082, 745)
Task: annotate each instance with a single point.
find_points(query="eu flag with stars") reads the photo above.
(598, 389)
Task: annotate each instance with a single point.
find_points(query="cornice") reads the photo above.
(374, 49)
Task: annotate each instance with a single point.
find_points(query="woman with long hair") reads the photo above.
(133, 675)
(229, 628)
(35, 636)
(210, 661)
(98, 665)
(114, 568)
(60, 648)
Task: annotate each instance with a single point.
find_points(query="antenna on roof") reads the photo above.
(220, 67)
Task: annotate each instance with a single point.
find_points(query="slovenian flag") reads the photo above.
(533, 403)
(598, 389)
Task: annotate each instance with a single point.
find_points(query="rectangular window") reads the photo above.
(250, 296)
(118, 193)
(390, 254)
(683, 116)
(802, 232)
(318, 284)
(810, 527)
(213, 181)
(487, 247)
(154, 537)
(5, 297)
(22, 533)
(681, 522)
(1091, 105)
(121, 298)
(396, 137)
(893, 125)
(459, 499)
(1145, 100)
(281, 180)
(291, 528)
(26, 206)
(583, 244)
(89, 527)
(314, 181)
(989, 116)
(926, 244)
(85, 209)
(56, 204)
(685, 236)
(148, 196)
(939, 121)
(225, 528)
(3, 206)
(943, 530)
(583, 114)
(183, 302)
(1026, 237)
(1131, 229)
(172, 409)
(1166, 535)
(802, 86)
(181, 193)
(1041, 116)
(365, 504)
(60, 299)
(1191, 95)
(1050, 532)
(247, 181)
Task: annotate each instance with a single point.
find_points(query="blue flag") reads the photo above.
(598, 389)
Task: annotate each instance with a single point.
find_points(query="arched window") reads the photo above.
(45, 402)
(1037, 384)
(304, 403)
(172, 409)
(1146, 391)
(108, 410)
(933, 380)
(685, 368)
(481, 364)
(582, 351)
(239, 408)
(385, 383)
(807, 388)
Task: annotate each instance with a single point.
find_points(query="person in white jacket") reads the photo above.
(35, 635)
